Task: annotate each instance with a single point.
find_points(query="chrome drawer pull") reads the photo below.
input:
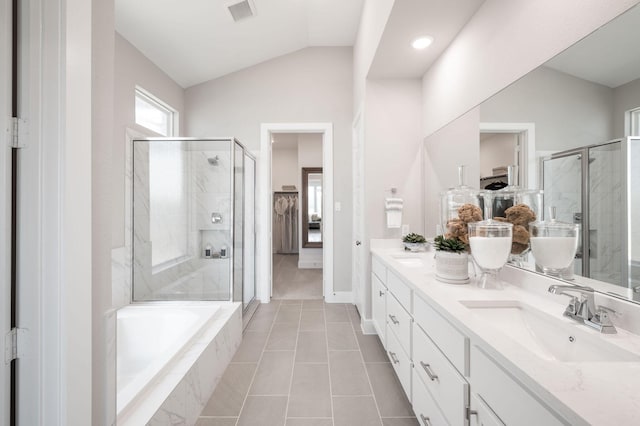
(394, 319)
(425, 420)
(429, 371)
(394, 358)
(381, 293)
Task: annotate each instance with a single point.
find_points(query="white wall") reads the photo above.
(284, 169)
(503, 41)
(375, 14)
(454, 145)
(496, 150)
(392, 153)
(103, 330)
(625, 97)
(133, 68)
(310, 85)
(567, 111)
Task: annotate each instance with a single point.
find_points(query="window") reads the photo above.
(154, 114)
(634, 122)
(168, 203)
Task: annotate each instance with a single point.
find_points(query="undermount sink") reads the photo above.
(547, 337)
(409, 261)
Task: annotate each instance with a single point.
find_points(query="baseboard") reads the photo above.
(339, 297)
(310, 264)
(368, 327)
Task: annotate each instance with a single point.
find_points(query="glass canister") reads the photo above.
(554, 244)
(459, 206)
(519, 207)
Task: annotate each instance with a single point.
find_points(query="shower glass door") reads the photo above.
(562, 184)
(607, 224)
(182, 219)
(238, 221)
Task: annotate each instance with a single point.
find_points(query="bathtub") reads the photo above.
(161, 351)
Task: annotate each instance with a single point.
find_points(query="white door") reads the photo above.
(5, 200)
(358, 249)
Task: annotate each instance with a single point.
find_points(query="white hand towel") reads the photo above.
(394, 218)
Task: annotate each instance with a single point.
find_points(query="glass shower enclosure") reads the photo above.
(596, 187)
(193, 220)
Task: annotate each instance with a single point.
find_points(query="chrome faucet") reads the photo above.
(583, 309)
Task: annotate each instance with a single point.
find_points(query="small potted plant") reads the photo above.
(452, 260)
(414, 242)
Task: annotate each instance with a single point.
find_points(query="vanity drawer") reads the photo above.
(400, 362)
(399, 322)
(448, 339)
(483, 416)
(507, 398)
(424, 407)
(449, 389)
(378, 268)
(400, 290)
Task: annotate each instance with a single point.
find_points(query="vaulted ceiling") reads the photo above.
(197, 40)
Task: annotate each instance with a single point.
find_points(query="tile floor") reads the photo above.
(289, 282)
(306, 363)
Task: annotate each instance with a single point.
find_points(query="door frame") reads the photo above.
(265, 201)
(5, 200)
(527, 148)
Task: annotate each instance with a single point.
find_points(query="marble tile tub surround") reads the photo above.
(306, 362)
(599, 393)
(178, 397)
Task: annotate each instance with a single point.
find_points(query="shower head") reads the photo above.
(213, 160)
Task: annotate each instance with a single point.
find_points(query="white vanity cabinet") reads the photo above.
(449, 379)
(508, 400)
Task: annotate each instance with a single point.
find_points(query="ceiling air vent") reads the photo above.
(240, 10)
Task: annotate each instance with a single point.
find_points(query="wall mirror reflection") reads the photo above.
(579, 115)
(312, 207)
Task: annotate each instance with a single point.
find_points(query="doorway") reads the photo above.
(505, 144)
(296, 177)
(267, 189)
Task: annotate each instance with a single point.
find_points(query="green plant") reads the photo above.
(452, 245)
(413, 238)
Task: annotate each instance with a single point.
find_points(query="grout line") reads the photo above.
(257, 366)
(326, 335)
(364, 365)
(293, 367)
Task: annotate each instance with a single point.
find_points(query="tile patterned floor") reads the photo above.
(289, 282)
(306, 363)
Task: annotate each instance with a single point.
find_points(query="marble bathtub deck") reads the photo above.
(306, 363)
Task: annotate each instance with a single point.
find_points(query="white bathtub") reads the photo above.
(153, 340)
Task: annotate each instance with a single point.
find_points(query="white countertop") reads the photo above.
(597, 393)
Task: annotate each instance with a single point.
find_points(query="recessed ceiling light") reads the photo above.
(422, 42)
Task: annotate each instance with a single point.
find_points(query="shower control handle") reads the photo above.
(358, 242)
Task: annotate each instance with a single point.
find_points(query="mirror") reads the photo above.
(312, 207)
(577, 104)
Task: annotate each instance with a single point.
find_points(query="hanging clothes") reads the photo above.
(285, 222)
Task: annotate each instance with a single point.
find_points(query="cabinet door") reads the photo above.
(482, 415)
(379, 307)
